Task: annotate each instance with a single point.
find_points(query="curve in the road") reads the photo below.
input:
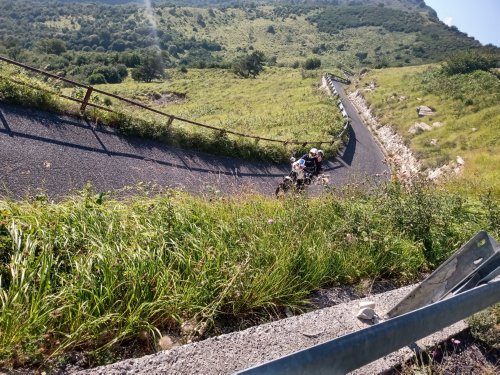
(58, 155)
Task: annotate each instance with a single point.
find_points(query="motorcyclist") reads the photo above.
(311, 164)
(319, 162)
(298, 168)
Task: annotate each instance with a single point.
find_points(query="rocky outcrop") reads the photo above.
(423, 110)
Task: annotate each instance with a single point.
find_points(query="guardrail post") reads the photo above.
(170, 121)
(87, 98)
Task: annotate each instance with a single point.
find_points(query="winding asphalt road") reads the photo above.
(57, 155)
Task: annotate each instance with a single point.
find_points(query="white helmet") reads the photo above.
(321, 153)
(313, 151)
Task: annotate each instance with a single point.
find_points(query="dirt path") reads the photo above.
(57, 155)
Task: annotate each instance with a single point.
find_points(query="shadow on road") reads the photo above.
(349, 151)
(6, 125)
(229, 167)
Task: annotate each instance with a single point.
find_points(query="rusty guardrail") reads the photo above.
(90, 90)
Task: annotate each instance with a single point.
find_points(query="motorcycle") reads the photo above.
(298, 178)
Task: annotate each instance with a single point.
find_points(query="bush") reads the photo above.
(361, 55)
(96, 79)
(19, 94)
(151, 67)
(312, 63)
(485, 326)
(250, 65)
(469, 61)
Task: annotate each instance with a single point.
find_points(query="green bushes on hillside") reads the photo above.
(470, 61)
(335, 19)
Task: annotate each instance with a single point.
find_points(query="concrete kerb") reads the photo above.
(236, 351)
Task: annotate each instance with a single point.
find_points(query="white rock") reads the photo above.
(433, 142)
(419, 127)
(366, 313)
(423, 110)
(460, 161)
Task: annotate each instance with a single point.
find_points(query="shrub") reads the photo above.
(96, 79)
(469, 61)
(151, 67)
(485, 326)
(312, 63)
(250, 65)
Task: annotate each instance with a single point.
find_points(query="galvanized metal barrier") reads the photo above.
(478, 289)
(357, 349)
(476, 262)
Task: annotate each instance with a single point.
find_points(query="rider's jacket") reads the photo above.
(312, 166)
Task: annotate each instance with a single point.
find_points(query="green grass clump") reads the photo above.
(466, 119)
(26, 91)
(485, 326)
(90, 272)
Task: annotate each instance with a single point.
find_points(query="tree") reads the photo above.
(118, 45)
(151, 67)
(312, 63)
(52, 46)
(250, 65)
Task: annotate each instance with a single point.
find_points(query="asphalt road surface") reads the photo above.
(57, 155)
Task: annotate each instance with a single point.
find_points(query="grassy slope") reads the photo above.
(466, 105)
(87, 273)
(279, 103)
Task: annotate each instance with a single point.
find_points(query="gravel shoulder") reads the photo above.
(236, 351)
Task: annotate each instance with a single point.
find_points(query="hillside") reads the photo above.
(461, 133)
(80, 39)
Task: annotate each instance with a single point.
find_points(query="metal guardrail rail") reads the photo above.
(350, 352)
(339, 79)
(476, 262)
(90, 89)
(470, 281)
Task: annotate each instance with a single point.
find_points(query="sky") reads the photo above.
(478, 18)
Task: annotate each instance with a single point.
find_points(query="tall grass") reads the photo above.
(88, 273)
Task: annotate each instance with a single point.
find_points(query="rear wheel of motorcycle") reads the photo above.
(283, 187)
(279, 191)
